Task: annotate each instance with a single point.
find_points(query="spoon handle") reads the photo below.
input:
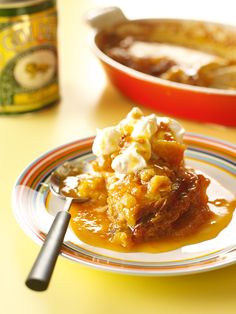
(40, 274)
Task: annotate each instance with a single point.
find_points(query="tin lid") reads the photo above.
(13, 1)
(20, 7)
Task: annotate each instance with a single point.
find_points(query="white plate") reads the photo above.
(215, 158)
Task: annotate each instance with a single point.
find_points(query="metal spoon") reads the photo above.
(41, 272)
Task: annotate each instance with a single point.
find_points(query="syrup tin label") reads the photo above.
(28, 58)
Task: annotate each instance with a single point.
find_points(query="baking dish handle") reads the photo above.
(103, 18)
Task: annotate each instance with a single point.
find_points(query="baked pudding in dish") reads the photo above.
(139, 187)
(174, 62)
(170, 65)
(198, 55)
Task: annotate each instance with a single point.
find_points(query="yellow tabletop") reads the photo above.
(90, 102)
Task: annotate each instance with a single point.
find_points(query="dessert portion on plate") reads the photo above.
(139, 187)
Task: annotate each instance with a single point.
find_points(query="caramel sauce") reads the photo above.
(91, 225)
(93, 229)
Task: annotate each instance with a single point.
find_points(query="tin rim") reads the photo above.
(25, 7)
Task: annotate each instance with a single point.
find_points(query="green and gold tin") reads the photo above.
(28, 55)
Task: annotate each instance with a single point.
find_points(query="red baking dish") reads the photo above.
(181, 100)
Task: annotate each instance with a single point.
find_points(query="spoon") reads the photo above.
(41, 272)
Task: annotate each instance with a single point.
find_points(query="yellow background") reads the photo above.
(90, 102)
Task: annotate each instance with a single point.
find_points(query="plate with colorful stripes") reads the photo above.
(215, 158)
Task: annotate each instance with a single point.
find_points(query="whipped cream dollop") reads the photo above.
(107, 141)
(145, 127)
(176, 128)
(128, 161)
(134, 155)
